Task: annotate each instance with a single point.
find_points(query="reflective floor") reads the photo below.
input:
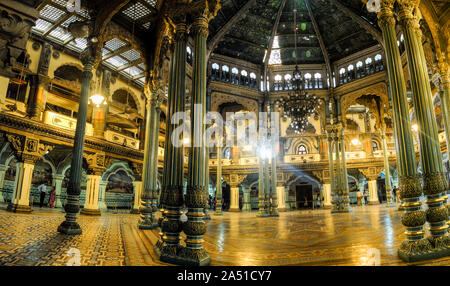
(295, 238)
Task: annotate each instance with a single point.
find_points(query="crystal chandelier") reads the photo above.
(298, 105)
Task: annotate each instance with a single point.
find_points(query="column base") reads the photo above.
(234, 210)
(282, 210)
(433, 254)
(90, 212)
(70, 228)
(134, 211)
(373, 203)
(390, 205)
(193, 257)
(147, 226)
(15, 208)
(218, 213)
(262, 215)
(327, 207)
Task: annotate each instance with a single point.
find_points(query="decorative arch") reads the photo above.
(139, 103)
(67, 64)
(379, 89)
(218, 99)
(303, 141)
(117, 166)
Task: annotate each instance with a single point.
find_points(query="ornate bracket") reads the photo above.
(28, 149)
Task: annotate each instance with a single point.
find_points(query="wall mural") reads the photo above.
(120, 182)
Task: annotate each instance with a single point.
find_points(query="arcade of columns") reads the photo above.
(272, 193)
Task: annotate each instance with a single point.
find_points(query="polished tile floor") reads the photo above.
(295, 238)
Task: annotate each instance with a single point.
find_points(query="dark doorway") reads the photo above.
(303, 192)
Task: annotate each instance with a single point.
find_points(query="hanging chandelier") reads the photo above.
(298, 105)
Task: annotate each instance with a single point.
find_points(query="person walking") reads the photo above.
(42, 191)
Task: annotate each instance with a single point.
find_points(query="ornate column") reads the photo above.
(147, 209)
(345, 190)
(172, 192)
(28, 151)
(70, 226)
(97, 164)
(262, 211)
(92, 194)
(219, 181)
(434, 182)
(3, 170)
(38, 92)
(246, 202)
(267, 186)
(57, 183)
(102, 199)
(371, 175)
(281, 193)
(137, 189)
(196, 198)
(387, 176)
(338, 203)
(274, 143)
(444, 93)
(415, 247)
(327, 195)
(234, 180)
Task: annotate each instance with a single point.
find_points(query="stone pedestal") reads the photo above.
(20, 201)
(92, 194)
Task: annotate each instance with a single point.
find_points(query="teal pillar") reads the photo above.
(415, 247)
(196, 198)
(172, 189)
(150, 168)
(434, 180)
(70, 225)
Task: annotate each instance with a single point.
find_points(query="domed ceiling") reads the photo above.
(253, 27)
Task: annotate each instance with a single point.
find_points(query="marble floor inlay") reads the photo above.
(295, 238)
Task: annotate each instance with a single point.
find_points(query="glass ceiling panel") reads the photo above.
(151, 3)
(41, 25)
(60, 34)
(78, 44)
(131, 55)
(133, 71)
(114, 44)
(117, 61)
(136, 11)
(51, 13)
(54, 22)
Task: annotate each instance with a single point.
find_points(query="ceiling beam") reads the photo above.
(117, 52)
(226, 28)
(319, 37)
(363, 23)
(129, 65)
(274, 31)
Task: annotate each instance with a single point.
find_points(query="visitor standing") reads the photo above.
(52, 199)
(42, 192)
